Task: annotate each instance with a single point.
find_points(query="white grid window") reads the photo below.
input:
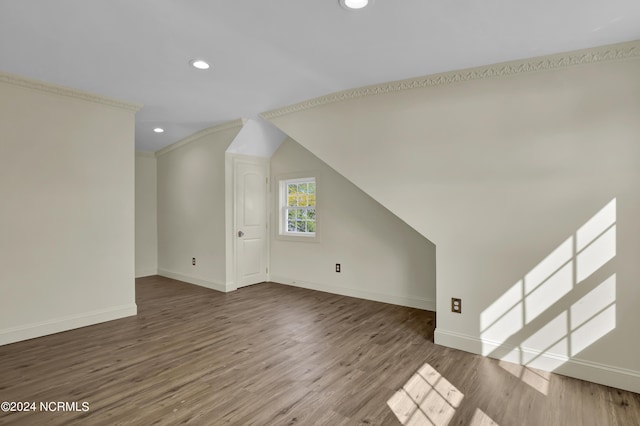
(298, 207)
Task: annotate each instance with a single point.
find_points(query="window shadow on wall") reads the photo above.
(560, 307)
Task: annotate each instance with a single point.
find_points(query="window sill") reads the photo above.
(299, 238)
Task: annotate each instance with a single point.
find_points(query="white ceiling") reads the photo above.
(267, 54)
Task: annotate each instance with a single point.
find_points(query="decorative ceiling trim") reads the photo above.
(145, 154)
(55, 89)
(202, 133)
(608, 53)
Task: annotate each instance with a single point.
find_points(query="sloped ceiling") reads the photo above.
(268, 54)
(502, 171)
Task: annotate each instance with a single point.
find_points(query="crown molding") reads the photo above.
(146, 154)
(55, 89)
(614, 52)
(202, 133)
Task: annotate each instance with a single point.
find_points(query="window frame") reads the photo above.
(282, 208)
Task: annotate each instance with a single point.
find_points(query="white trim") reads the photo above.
(234, 160)
(409, 301)
(58, 325)
(213, 285)
(146, 273)
(277, 190)
(614, 52)
(283, 207)
(145, 154)
(603, 374)
(299, 180)
(41, 86)
(229, 220)
(202, 133)
(455, 340)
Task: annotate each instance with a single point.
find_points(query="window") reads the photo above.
(298, 207)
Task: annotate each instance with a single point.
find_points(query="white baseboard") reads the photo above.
(146, 273)
(197, 281)
(603, 374)
(410, 301)
(57, 325)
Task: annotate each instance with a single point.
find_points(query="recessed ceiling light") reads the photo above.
(200, 64)
(354, 4)
(158, 130)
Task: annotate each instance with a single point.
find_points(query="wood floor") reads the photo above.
(273, 354)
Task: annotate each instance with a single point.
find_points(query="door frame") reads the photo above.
(231, 163)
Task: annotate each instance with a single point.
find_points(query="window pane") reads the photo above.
(298, 207)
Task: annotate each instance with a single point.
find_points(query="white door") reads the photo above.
(250, 194)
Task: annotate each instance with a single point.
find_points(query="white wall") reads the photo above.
(499, 166)
(258, 138)
(191, 207)
(146, 214)
(67, 212)
(381, 257)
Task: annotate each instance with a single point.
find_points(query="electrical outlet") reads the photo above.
(337, 267)
(193, 261)
(456, 305)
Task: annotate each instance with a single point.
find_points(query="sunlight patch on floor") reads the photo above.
(480, 418)
(426, 399)
(537, 379)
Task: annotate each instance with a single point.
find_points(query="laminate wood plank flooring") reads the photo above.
(271, 354)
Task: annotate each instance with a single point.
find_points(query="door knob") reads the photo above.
(240, 234)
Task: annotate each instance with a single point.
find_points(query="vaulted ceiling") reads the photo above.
(268, 54)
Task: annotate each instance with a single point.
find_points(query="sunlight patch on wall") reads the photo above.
(508, 301)
(593, 316)
(547, 268)
(599, 223)
(539, 295)
(596, 241)
(558, 284)
(551, 338)
(502, 318)
(426, 399)
(595, 255)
